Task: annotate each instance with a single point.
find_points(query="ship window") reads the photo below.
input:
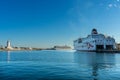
(80, 41)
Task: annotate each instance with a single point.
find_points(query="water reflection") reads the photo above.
(8, 56)
(97, 61)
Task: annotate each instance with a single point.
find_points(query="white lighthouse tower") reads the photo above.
(9, 45)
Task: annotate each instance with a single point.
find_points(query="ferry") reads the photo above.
(95, 42)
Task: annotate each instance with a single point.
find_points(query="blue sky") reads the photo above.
(45, 23)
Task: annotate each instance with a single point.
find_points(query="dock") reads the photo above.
(101, 51)
(108, 51)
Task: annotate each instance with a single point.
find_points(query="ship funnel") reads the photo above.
(94, 31)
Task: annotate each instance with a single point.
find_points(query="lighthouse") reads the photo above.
(8, 45)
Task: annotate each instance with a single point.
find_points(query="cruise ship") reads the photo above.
(95, 42)
(62, 47)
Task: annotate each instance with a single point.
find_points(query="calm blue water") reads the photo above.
(59, 65)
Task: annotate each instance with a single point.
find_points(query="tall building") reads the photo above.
(9, 45)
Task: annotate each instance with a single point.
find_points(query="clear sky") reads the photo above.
(45, 23)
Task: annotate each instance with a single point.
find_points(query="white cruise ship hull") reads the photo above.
(95, 42)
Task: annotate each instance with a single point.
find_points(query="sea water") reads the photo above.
(59, 65)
